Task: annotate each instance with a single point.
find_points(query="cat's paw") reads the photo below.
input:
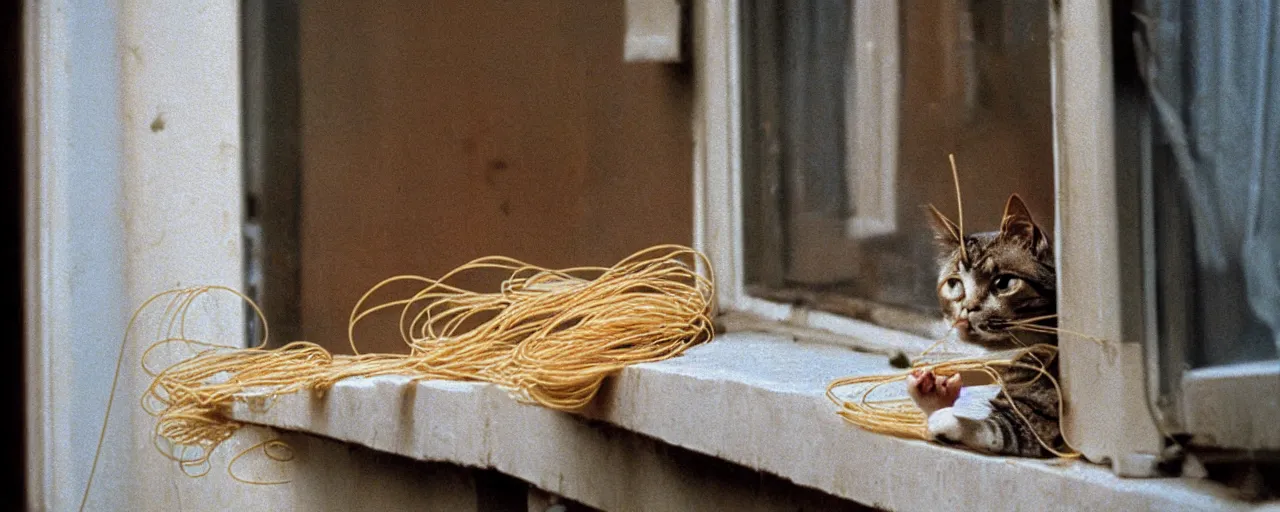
(946, 426)
(931, 392)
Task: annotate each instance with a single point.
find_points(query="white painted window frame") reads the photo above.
(1104, 384)
(871, 119)
(718, 202)
(1110, 386)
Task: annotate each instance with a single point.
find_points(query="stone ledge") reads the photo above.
(752, 399)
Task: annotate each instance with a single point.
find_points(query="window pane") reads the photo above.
(850, 110)
(1214, 176)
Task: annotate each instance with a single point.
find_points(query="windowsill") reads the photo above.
(752, 399)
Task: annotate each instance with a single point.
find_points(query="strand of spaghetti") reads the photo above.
(97, 454)
(955, 176)
(161, 331)
(353, 319)
(1058, 330)
(933, 346)
(1013, 405)
(266, 450)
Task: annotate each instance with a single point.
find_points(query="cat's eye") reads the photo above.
(1006, 283)
(953, 288)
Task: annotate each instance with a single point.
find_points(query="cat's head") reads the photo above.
(999, 277)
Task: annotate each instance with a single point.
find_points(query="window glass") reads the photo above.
(850, 110)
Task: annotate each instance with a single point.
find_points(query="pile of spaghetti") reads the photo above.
(549, 336)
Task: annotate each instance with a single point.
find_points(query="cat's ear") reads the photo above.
(944, 231)
(1017, 224)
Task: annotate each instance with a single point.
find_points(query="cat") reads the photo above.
(999, 277)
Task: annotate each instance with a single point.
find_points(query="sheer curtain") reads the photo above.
(1212, 73)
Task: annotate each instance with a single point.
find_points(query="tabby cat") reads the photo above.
(998, 278)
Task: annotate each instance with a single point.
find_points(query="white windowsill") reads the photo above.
(753, 399)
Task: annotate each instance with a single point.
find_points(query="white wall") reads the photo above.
(122, 211)
(135, 188)
(94, 243)
(80, 232)
(182, 188)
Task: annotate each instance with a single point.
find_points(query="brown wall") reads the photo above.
(433, 133)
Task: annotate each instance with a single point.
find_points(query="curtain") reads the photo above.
(1213, 77)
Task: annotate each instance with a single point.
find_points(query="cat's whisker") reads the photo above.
(1033, 319)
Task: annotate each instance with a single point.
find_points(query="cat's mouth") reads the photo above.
(964, 328)
(1002, 329)
(998, 325)
(981, 331)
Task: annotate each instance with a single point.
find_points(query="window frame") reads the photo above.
(718, 201)
(871, 122)
(1221, 406)
(1104, 384)
(1120, 428)
(1104, 189)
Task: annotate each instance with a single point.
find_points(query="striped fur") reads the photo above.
(997, 278)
